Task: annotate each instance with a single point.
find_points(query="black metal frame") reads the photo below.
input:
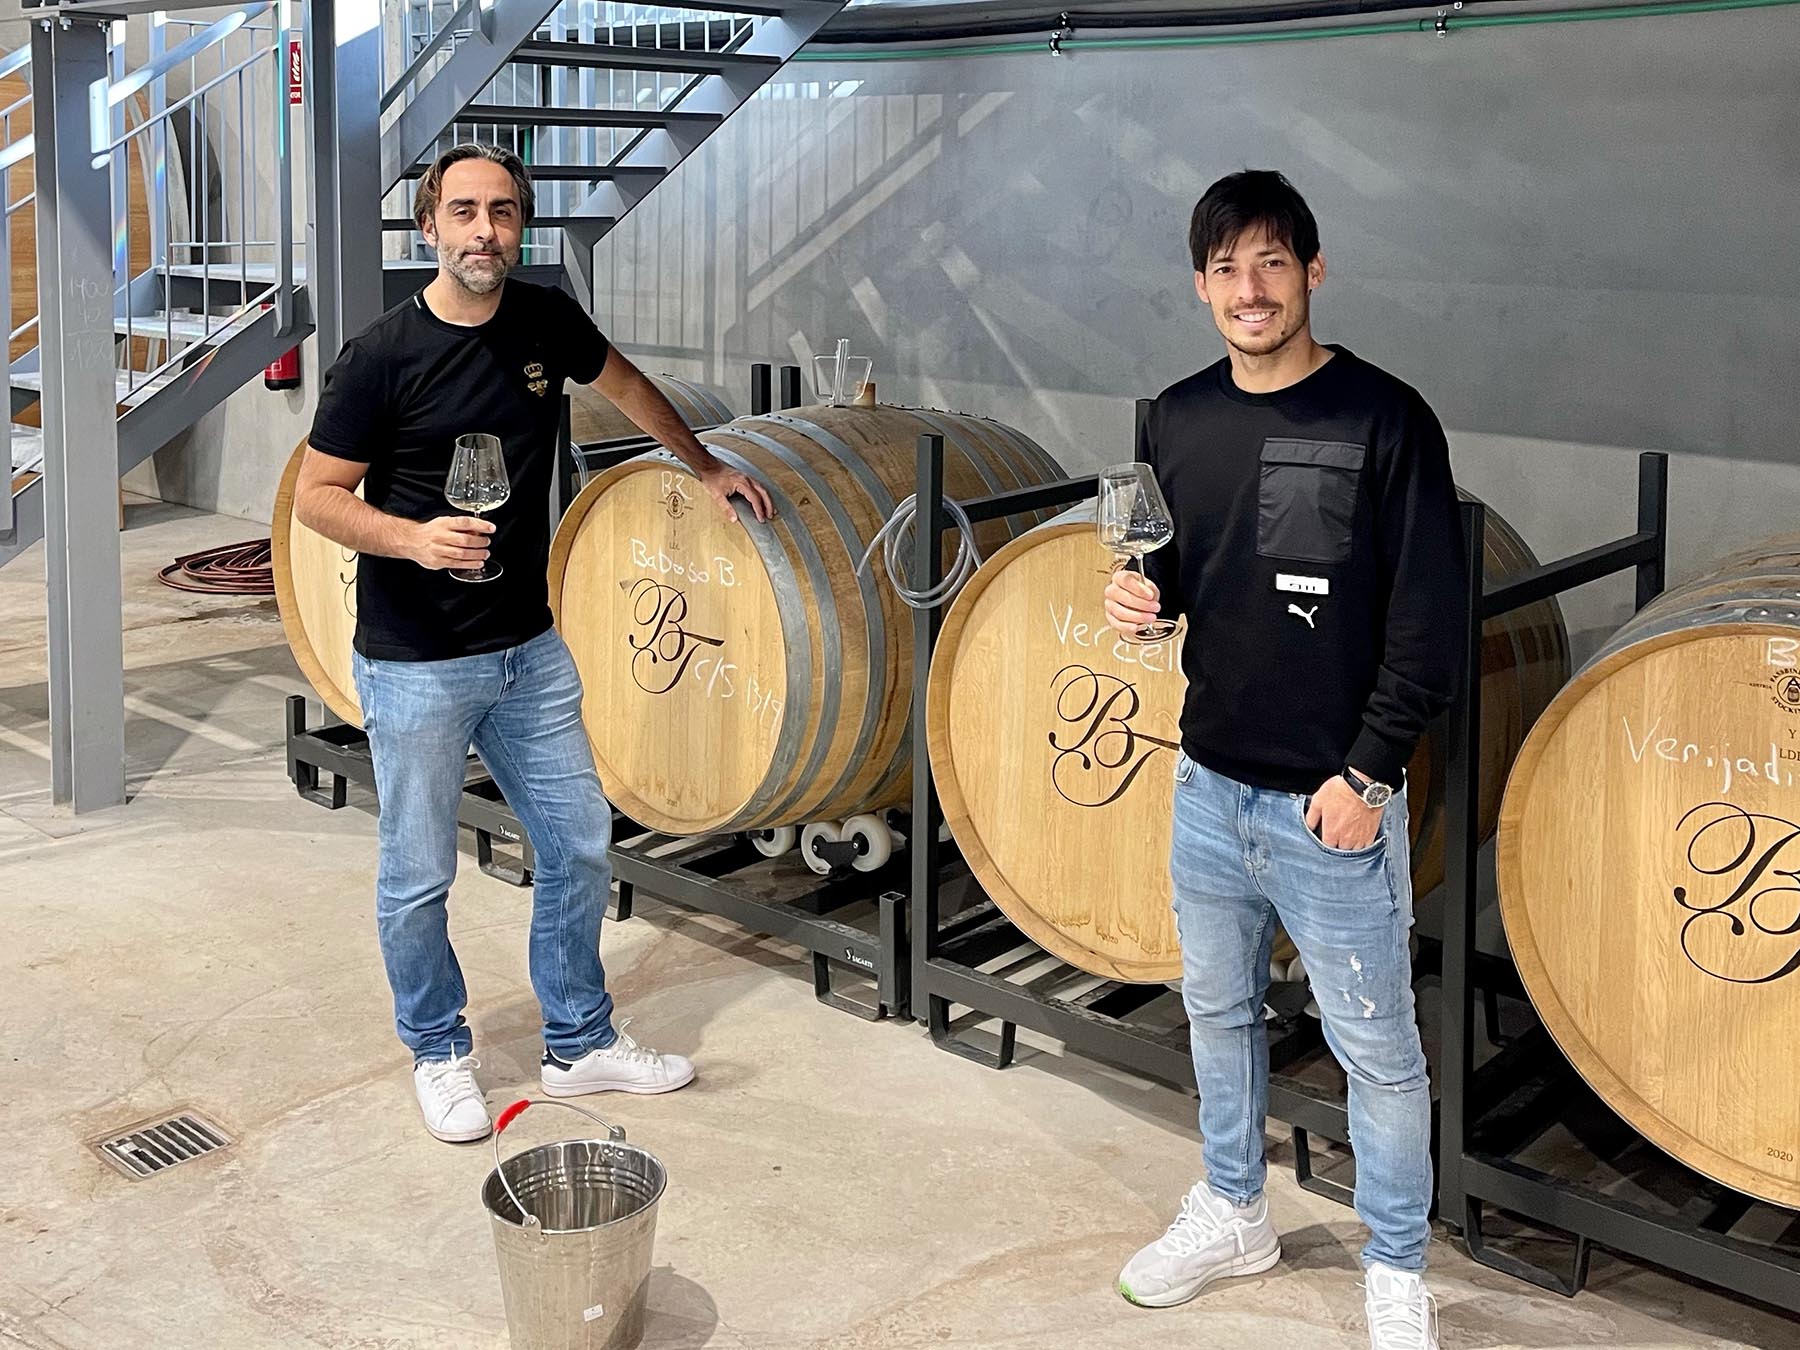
(1481, 1122)
(849, 921)
(340, 752)
(1493, 1114)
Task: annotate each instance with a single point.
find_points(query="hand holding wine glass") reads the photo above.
(477, 484)
(1132, 519)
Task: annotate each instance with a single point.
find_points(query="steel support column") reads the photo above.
(343, 51)
(81, 457)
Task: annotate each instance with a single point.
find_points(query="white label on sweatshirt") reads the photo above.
(1285, 581)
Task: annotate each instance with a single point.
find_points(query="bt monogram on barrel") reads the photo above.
(1104, 753)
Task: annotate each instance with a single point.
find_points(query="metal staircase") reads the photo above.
(208, 277)
(172, 266)
(603, 101)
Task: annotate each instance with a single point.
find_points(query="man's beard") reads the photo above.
(480, 278)
(1274, 343)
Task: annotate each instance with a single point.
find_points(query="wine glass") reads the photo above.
(477, 484)
(1132, 519)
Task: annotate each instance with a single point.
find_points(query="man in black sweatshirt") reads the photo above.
(1317, 558)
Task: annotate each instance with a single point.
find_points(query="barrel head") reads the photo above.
(675, 625)
(1054, 745)
(1648, 856)
(315, 590)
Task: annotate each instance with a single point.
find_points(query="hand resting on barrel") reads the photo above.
(722, 481)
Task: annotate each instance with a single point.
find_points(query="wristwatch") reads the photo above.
(1374, 795)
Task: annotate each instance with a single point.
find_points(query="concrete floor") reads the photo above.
(833, 1183)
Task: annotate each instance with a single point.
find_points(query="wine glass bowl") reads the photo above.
(1132, 519)
(477, 483)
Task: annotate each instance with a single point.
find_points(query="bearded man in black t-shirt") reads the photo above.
(444, 662)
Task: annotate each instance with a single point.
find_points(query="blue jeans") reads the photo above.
(1242, 859)
(521, 709)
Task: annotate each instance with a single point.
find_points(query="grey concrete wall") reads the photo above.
(1576, 239)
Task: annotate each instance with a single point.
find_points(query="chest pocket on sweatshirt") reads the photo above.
(1306, 500)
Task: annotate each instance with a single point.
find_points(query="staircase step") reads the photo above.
(231, 274)
(183, 327)
(27, 448)
(605, 56)
(578, 173)
(130, 386)
(507, 114)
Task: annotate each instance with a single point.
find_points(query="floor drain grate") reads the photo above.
(160, 1143)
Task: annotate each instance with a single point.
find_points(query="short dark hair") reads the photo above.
(425, 200)
(1251, 199)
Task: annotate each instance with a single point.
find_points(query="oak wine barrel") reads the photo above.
(315, 590)
(1649, 848)
(742, 676)
(593, 417)
(315, 579)
(1054, 745)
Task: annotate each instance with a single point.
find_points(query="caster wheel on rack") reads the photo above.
(776, 842)
(819, 832)
(874, 841)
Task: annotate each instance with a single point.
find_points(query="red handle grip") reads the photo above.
(509, 1115)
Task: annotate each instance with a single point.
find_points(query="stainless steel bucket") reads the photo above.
(574, 1224)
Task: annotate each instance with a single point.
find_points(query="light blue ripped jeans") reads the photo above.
(1242, 859)
(521, 709)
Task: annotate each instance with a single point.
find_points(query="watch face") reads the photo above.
(1377, 794)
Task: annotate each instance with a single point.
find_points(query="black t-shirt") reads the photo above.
(1318, 559)
(397, 398)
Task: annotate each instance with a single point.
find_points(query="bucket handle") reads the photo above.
(615, 1133)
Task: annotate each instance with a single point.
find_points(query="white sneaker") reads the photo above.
(1402, 1312)
(1211, 1239)
(623, 1066)
(450, 1101)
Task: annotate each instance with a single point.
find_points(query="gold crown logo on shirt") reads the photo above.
(534, 375)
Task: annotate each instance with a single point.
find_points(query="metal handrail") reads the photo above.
(110, 139)
(14, 151)
(120, 91)
(143, 379)
(103, 151)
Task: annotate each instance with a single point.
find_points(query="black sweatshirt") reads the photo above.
(1318, 559)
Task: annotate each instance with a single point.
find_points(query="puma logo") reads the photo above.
(1306, 614)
